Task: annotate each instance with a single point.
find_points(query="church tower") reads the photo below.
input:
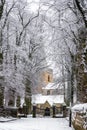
(47, 76)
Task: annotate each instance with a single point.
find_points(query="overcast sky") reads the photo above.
(33, 5)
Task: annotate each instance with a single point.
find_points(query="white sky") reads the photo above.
(34, 4)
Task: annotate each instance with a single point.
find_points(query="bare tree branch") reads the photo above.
(2, 7)
(81, 11)
(7, 14)
(25, 26)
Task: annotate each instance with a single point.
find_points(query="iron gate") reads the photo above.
(53, 111)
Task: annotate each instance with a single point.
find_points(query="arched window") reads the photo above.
(48, 78)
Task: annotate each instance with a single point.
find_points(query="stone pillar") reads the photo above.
(25, 109)
(34, 110)
(64, 111)
(53, 111)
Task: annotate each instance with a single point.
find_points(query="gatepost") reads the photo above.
(53, 110)
(34, 110)
(64, 110)
(25, 110)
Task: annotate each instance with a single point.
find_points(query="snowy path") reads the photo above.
(36, 124)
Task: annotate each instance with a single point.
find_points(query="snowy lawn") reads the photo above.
(7, 119)
(36, 124)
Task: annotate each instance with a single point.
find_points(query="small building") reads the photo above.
(47, 100)
(48, 96)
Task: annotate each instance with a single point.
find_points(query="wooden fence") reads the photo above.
(79, 121)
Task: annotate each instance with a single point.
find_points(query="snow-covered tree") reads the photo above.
(22, 47)
(80, 12)
(67, 18)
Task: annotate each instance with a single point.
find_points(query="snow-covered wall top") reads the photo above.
(80, 107)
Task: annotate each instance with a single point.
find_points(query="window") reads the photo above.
(48, 78)
(48, 92)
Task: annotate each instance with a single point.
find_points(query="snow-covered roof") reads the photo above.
(80, 107)
(41, 99)
(50, 86)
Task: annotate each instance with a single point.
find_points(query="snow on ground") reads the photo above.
(6, 119)
(30, 123)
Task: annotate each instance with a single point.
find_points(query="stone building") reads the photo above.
(47, 97)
